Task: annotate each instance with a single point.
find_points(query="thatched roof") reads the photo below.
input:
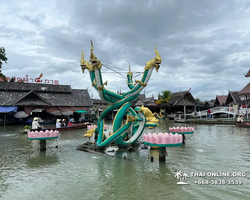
(248, 74)
(141, 98)
(99, 102)
(209, 103)
(149, 102)
(18, 95)
(233, 98)
(182, 99)
(14, 86)
(220, 100)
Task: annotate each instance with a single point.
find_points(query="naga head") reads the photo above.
(85, 64)
(93, 59)
(155, 62)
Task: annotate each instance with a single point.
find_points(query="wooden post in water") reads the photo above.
(42, 145)
(162, 154)
(4, 122)
(247, 106)
(185, 112)
(183, 138)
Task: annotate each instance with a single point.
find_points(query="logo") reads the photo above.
(182, 177)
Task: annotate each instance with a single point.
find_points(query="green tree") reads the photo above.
(3, 57)
(164, 98)
(12, 79)
(2, 77)
(198, 101)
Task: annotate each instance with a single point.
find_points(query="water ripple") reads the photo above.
(65, 173)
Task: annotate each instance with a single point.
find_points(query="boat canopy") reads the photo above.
(8, 109)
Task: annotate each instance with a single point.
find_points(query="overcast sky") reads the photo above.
(204, 44)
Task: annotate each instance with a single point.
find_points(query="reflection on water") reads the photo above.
(65, 173)
(42, 160)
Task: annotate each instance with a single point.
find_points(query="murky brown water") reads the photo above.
(65, 173)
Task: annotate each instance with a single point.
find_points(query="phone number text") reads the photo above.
(218, 182)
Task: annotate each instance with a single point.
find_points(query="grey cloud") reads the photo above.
(35, 20)
(195, 39)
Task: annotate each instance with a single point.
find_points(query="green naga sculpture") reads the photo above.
(124, 134)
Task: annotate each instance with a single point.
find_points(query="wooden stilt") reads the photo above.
(42, 145)
(162, 154)
(183, 139)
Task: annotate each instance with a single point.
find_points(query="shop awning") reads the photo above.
(64, 109)
(53, 109)
(8, 109)
(81, 111)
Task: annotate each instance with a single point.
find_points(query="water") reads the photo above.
(65, 173)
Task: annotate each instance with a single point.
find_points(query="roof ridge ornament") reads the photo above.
(129, 71)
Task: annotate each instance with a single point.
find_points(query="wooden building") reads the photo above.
(208, 104)
(233, 99)
(47, 100)
(138, 101)
(147, 102)
(220, 100)
(245, 92)
(181, 102)
(98, 106)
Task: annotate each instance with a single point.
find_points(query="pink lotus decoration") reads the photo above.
(181, 129)
(43, 134)
(162, 138)
(89, 127)
(46, 133)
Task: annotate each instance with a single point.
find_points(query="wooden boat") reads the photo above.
(171, 116)
(66, 128)
(244, 124)
(74, 126)
(25, 132)
(180, 120)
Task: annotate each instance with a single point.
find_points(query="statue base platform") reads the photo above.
(183, 133)
(163, 145)
(44, 138)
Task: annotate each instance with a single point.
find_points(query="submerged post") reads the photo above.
(185, 113)
(42, 145)
(4, 122)
(162, 154)
(247, 106)
(183, 138)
